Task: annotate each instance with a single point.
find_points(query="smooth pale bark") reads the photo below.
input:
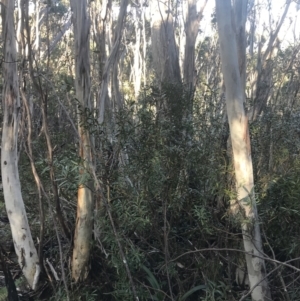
(23, 242)
(164, 48)
(83, 228)
(239, 132)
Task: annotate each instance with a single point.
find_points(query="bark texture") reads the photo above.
(83, 227)
(23, 242)
(240, 140)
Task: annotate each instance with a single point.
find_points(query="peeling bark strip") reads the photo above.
(83, 229)
(239, 132)
(23, 243)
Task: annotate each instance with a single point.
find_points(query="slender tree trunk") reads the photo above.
(144, 46)
(137, 55)
(23, 242)
(83, 229)
(238, 124)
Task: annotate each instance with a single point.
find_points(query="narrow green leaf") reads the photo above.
(151, 278)
(191, 291)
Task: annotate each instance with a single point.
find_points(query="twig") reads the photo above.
(52, 270)
(49, 276)
(252, 289)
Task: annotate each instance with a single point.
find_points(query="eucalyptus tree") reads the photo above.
(245, 203)
(192, 22)
(112, 60)
(261, 78)
(23, 242)
(164, 48)
(83, 227)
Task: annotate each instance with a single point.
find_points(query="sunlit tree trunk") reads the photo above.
(23, 242)
(83, 227)
(245, 204)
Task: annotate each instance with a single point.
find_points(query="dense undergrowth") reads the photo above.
(168, 180)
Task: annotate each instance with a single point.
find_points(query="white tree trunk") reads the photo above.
(23, 242)
(240, 140)
(83, 228)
